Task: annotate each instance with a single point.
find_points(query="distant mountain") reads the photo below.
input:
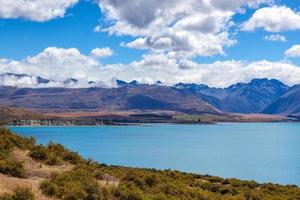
(254, 96)
(71, 82)
(12, 75)
(250, 97)
(121, 83)
(141, 97)
(41, 80)
(11, 79)
(287, 104)
(211, 95)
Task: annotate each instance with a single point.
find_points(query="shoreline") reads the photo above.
(150, 123)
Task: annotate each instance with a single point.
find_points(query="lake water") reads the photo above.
(265, 152)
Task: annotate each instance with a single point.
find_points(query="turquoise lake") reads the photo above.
(265, 152)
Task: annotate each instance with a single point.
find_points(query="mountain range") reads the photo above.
(287, 104)
(142, 97)
(250, 97)
(257, 96)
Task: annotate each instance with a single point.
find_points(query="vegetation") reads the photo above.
(88, 180)
(8, 142)
(205, 118)
(19, 194)
(79, 183)
(54, 154)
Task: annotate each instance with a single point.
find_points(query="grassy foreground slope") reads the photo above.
(29, 171)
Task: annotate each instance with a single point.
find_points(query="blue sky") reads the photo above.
(134, 31)
(20, 37)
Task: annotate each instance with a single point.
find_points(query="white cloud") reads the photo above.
(97, 29)
(70, 63)
(184, 44)
(275, 38)
(102, 53)
(56, 64)
(35, 10)
(294, 51)
(273, 19)
(57, 57)
(180, 27)
(25, 81)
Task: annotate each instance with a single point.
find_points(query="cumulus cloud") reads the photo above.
(56, 64)
(179, 27)
(273, 19)
(294, 51)
(275, 38)
(35, 10)
(102, 53)
(57, 57)
(20, 80)
(183, 44)
(70, 63)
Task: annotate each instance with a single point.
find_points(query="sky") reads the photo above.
(213, 42)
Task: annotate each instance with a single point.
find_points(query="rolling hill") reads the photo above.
(141, 97)
(10, 113)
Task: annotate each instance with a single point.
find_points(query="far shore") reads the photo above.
(14, 116)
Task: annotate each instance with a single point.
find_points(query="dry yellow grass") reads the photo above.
(37, 169)
(8, 184)
(35, 173)
(108, 181)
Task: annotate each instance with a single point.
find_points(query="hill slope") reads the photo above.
(29, 171)
(287, 104)
(142, 97)
(8, 114)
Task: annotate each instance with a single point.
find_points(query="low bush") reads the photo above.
(39, 153)
(12, 167)
(76, 184)
(19, 194)
(124, 193)
(14, 140)
(54, 154)
(8, 142)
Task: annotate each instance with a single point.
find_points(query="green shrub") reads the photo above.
(124, 193)
(76, 184)
(12, 167)
(19, 194)
(250, 195)
(54, 160)
(151, 180)
(72, 157)
(15, 140)
(39, 153)
(60, 151)
(54, 154)
(49, 188)
(9, 141)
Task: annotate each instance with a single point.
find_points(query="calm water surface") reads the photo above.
(265, 152)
